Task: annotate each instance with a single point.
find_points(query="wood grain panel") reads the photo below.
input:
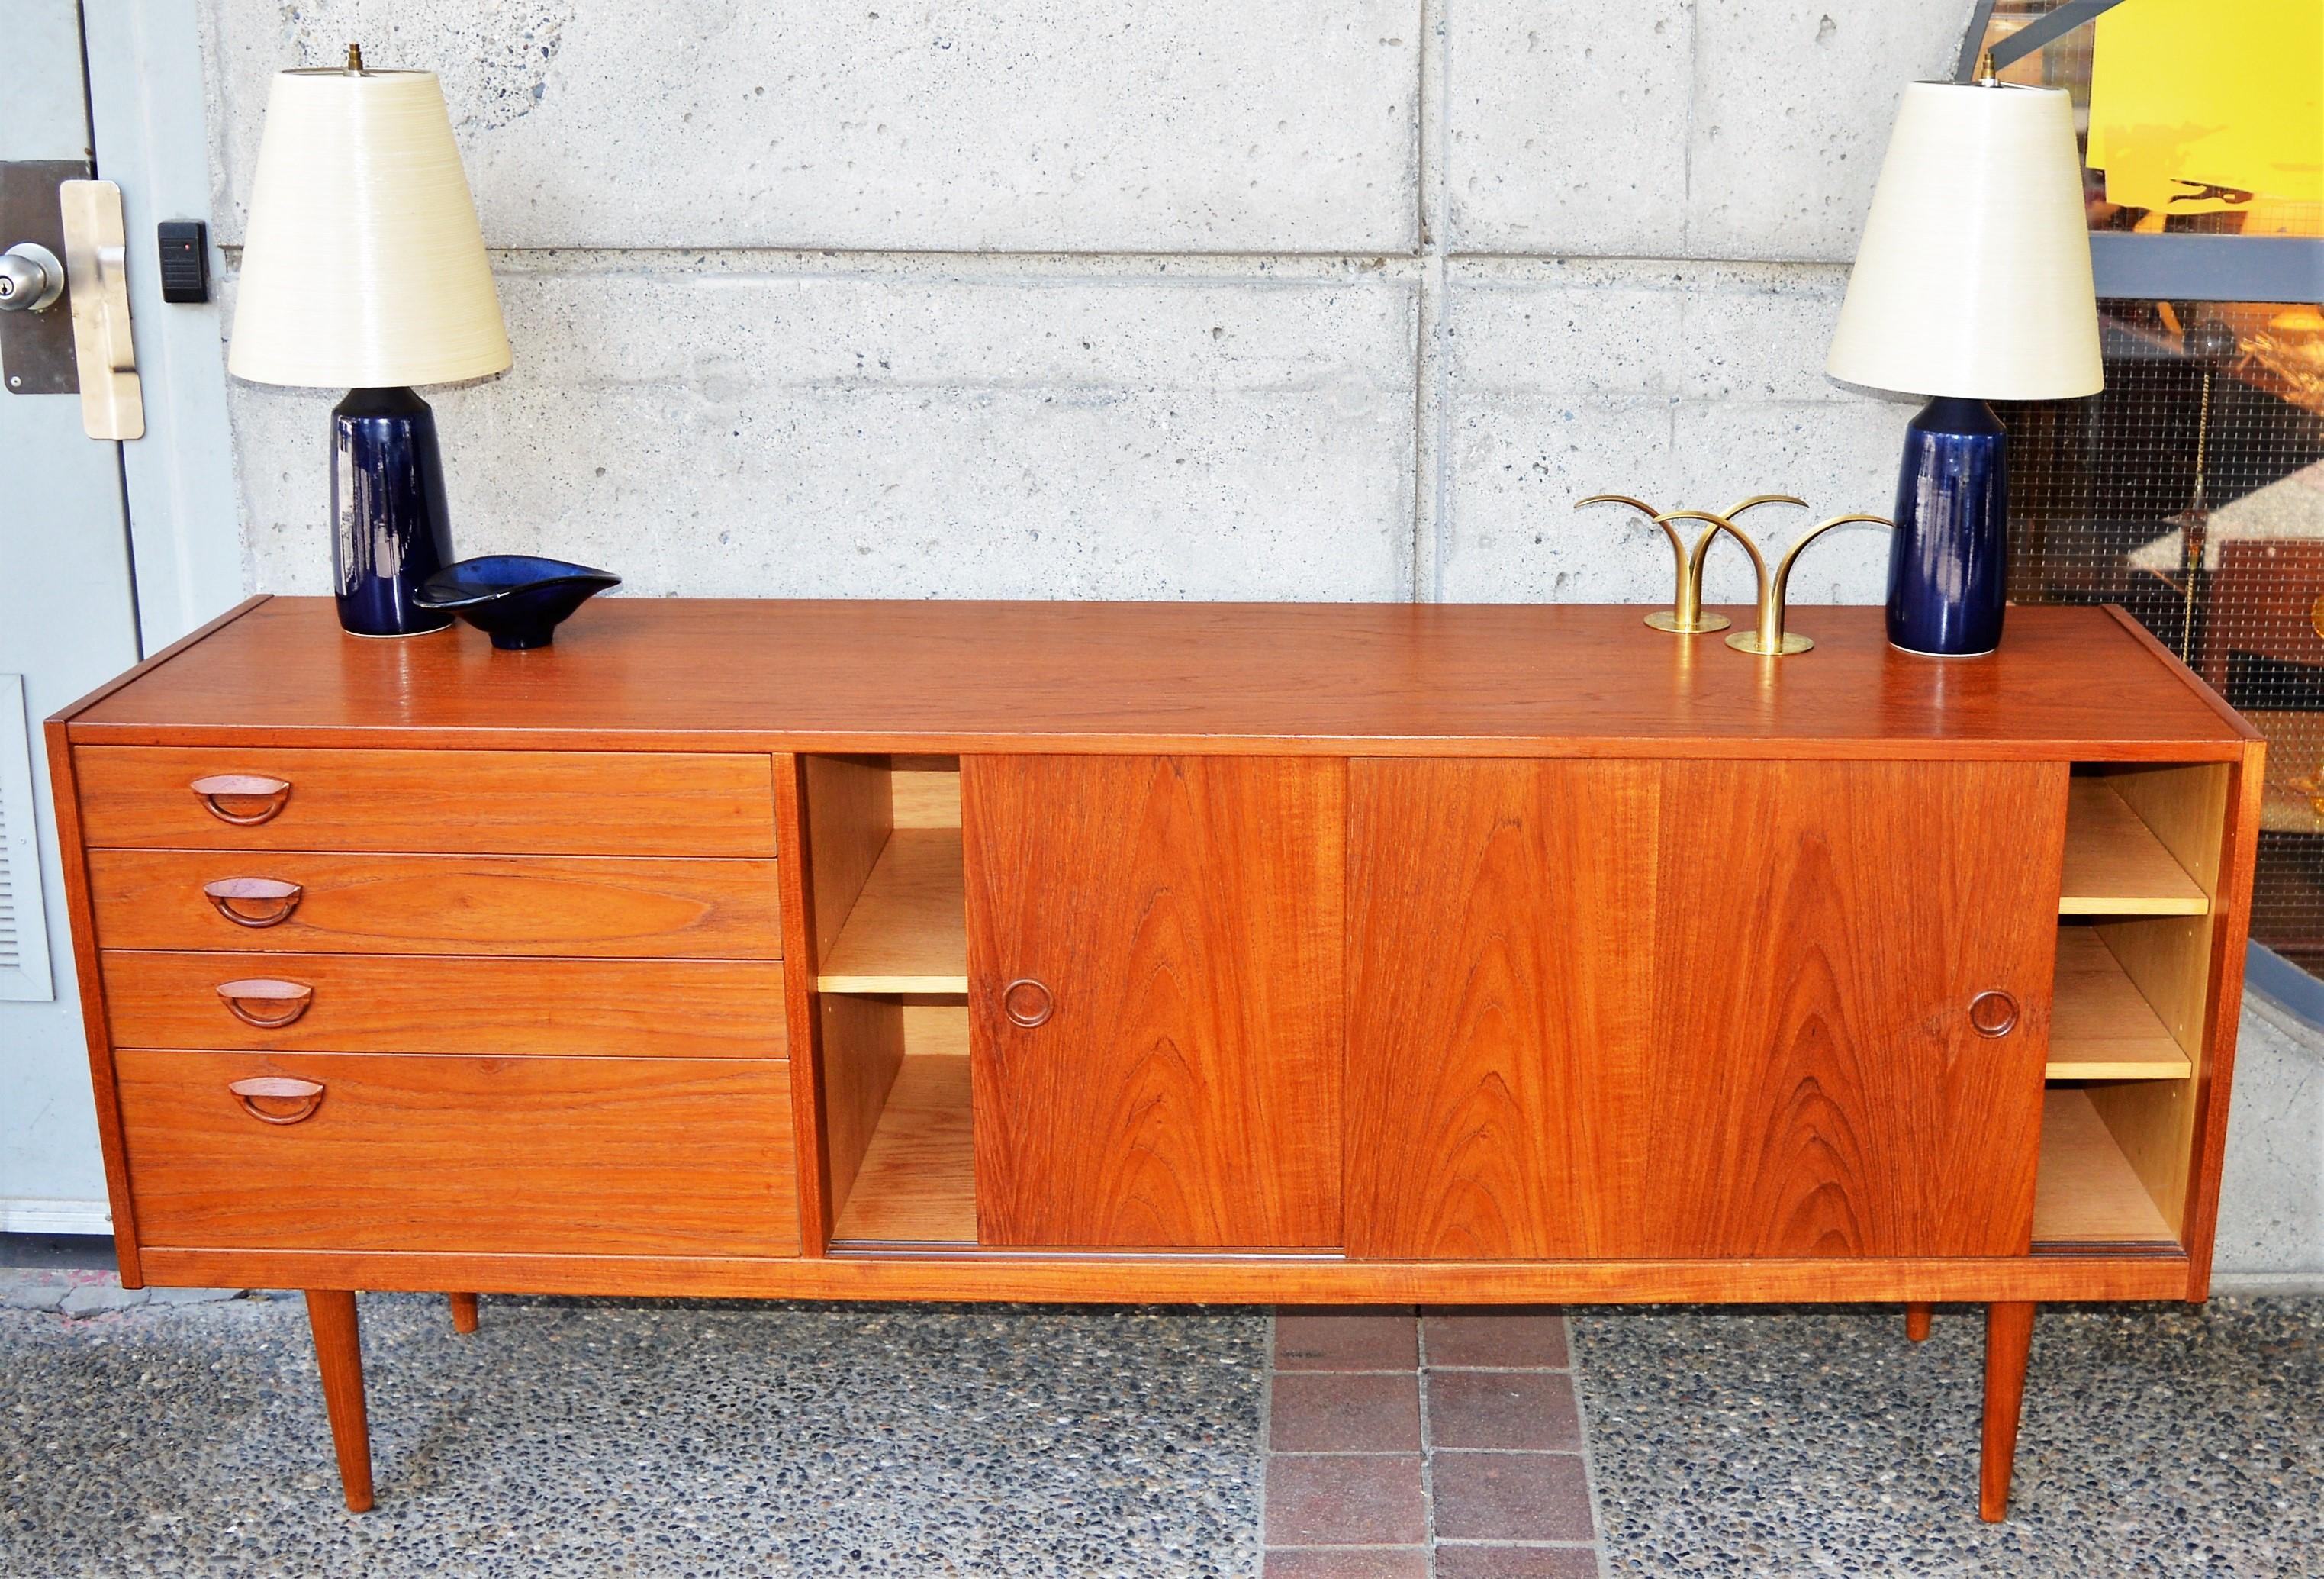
(1186, 915)
(461, 802)
(582, 1155)
(2231, 908)
(849, 810)
(1500, 950)
(799, 1006)
(846, 675)
(91, 978)
(429, 904)
(862, 1043)
(927, 792)
(1822, 929)
(377, 1003)
(1121, 1279)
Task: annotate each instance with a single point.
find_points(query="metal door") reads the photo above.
(117, 99)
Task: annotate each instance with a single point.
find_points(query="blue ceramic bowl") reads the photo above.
(516, 599)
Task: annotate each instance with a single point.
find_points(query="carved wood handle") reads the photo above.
(307, 1094)
(271, 795)
(1027, 1002)
(265, 1002)
(1993, 1013)
(262, 901)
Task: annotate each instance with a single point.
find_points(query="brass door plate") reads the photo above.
(36, 348)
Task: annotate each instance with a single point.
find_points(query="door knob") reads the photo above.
(31, 278)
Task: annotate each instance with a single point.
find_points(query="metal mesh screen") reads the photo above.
(2192, 491)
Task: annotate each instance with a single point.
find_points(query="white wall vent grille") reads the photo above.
(23, 921)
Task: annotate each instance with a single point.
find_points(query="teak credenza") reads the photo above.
(1161, 952)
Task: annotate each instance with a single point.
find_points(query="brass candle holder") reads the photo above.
(1770, 639)
(1685, 616)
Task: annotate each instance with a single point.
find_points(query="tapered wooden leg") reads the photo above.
(1916, 1321)
(463, 1312)
(2008, 1335)
(338, 1351)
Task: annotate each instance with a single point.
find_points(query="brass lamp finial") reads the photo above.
(355, 59)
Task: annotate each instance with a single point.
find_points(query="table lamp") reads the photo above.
(362, 267)
(1973, 284)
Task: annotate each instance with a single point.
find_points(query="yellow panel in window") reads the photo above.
(2199, 107)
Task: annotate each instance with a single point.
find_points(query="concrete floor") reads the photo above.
(658, 1438)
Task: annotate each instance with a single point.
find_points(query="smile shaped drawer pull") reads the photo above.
(254, 901)
(293, 1100)
(243, 799)
(265, 1002)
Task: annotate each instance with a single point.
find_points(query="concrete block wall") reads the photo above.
(1338, 298)
(1318, 299)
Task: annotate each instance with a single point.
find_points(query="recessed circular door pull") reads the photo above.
(254, 901)
(265, 1002)
(1027, 1002)
(243, 799)
(287, 1100)
(1993, 1014)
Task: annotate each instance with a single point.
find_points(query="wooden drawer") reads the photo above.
(459, 802)
(376, 1003)
(537, 1156)
(437, 904)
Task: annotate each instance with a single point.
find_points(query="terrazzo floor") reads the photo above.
(668, 1439)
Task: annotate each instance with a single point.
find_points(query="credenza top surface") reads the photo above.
(1369, 677)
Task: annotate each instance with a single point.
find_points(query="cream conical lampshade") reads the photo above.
(1974, 274)
(363, 266)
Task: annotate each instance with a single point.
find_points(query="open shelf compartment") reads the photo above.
(916, 1184)
(2115, 865)
(908, 930)
(2131, 1008)
(891, 978)
(2087, 1192)
(2101, 1026)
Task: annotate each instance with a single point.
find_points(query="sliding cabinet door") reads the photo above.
(1500, 950)
(1698, 1008)
(1852, 969)
(1155, 999)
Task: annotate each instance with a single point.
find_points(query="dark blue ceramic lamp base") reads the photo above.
(1949, 560)
(390, 528)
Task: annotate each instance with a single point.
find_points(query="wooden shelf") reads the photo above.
(2085, 1191)
(918, 1183)
(909, 932)
(2101, 1026)
(2114, 865)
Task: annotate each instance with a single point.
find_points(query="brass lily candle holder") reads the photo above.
(1770, 639)
(1685, 616)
